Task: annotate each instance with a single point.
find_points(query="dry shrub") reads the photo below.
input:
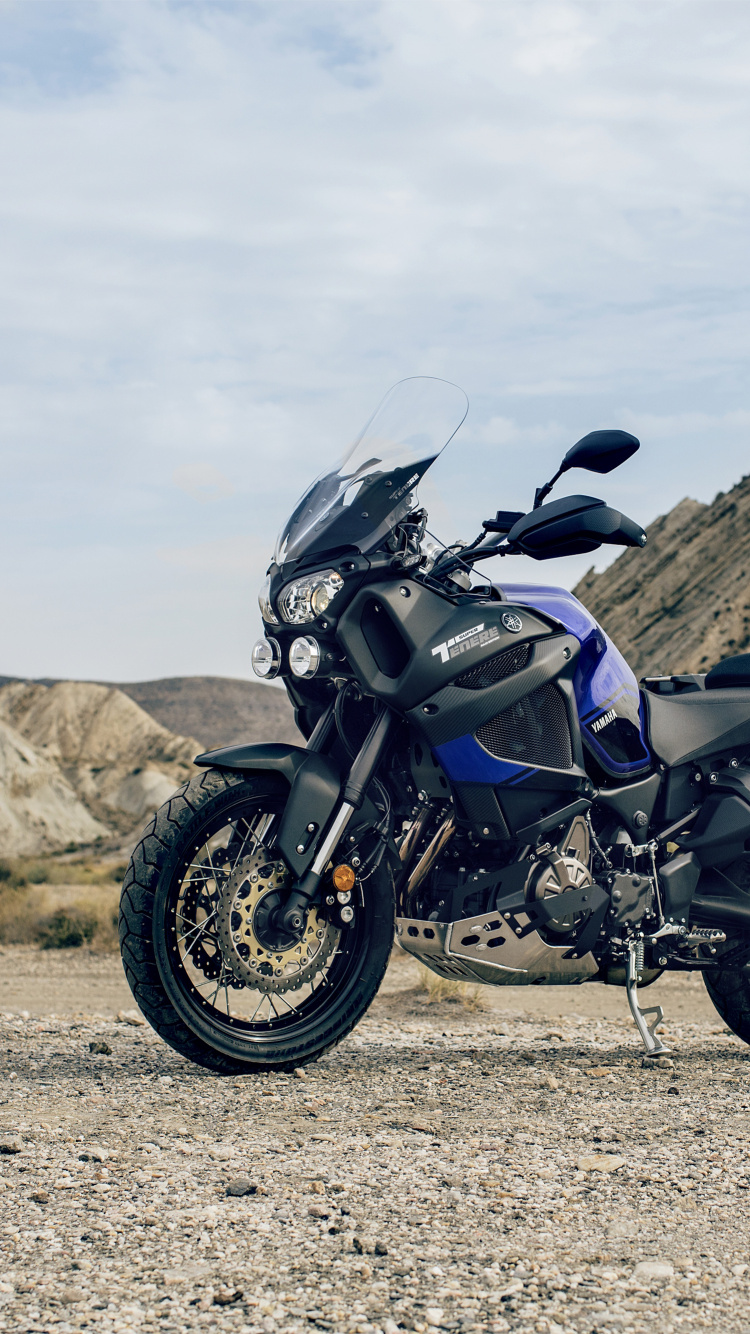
(68, 928)
(60, 915)
(442, 989)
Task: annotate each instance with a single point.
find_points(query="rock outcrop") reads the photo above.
(218, 709)
(81, 761)
(39, 810)
(683, 602)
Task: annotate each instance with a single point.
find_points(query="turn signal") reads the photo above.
(344, 878)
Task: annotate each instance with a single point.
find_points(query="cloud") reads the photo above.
(202, 481)
(507, 431)
(229, 227)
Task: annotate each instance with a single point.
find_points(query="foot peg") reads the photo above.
(653, 1044)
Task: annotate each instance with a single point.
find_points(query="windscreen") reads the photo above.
(361, 499)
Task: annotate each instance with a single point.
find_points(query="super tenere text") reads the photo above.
(481, 766)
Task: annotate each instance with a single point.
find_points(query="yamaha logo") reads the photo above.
(512, 622)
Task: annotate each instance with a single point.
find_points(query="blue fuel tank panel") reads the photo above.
(607, 695)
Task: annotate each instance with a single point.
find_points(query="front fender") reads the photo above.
(314, 790)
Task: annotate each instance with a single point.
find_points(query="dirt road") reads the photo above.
(515, 1168)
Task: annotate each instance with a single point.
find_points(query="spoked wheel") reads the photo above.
(201, 951)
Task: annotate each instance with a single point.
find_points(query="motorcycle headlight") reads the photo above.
(264, 602)
(304, 656)
(304, 599)
(266, 659)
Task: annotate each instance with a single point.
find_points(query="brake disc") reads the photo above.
(257, 953)
(197, 907)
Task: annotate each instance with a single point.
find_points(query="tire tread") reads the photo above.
(147, 864)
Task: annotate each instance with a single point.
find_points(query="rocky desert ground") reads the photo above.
(446, 1168)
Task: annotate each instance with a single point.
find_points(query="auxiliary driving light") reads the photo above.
(266, 659)
(304, 656)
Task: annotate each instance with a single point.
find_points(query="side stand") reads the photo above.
(653, 1044)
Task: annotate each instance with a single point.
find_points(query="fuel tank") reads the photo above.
(607, 697)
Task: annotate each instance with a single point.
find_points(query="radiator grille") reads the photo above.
(495, 669)
(533, 731)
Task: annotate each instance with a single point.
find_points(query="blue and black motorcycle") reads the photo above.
(481, 770)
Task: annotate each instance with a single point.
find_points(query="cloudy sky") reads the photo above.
(227, 228)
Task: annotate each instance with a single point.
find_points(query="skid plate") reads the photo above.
(485, 949)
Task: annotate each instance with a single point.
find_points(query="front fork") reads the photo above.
(291, 916)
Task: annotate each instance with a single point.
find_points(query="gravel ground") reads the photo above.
(442, 1169)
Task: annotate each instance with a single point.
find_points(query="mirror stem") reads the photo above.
(543, 491)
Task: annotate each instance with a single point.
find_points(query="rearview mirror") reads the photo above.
(601, 451)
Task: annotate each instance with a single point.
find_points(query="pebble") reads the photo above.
(71, 1295)
(100, 1048)
(494, 1222)
(650, 1271)
(132, 1017)
(225, 1297)
(10, 1146)
(600, 1162)
(241, 1186)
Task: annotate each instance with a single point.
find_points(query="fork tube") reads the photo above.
(360, 774)
(322, 730)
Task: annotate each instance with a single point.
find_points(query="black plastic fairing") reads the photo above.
(721, 832)
(315, 787)
(623, 804)
(698, 724)
(478, 806)
(454, 711)
(404, 641)
(678, 881)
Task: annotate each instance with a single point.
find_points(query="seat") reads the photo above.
(699, 724)
(729, 673)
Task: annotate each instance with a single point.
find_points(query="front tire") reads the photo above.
(172, 953)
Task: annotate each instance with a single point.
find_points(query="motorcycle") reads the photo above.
(482, 770)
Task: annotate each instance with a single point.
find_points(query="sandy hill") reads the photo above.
(218, 709)
(683, 602)
(80, 761)
(39, 810)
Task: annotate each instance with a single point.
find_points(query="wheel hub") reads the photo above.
(260, 954)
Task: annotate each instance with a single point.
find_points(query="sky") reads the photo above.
(227, 228)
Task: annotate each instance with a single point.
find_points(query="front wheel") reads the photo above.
(199, 947)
